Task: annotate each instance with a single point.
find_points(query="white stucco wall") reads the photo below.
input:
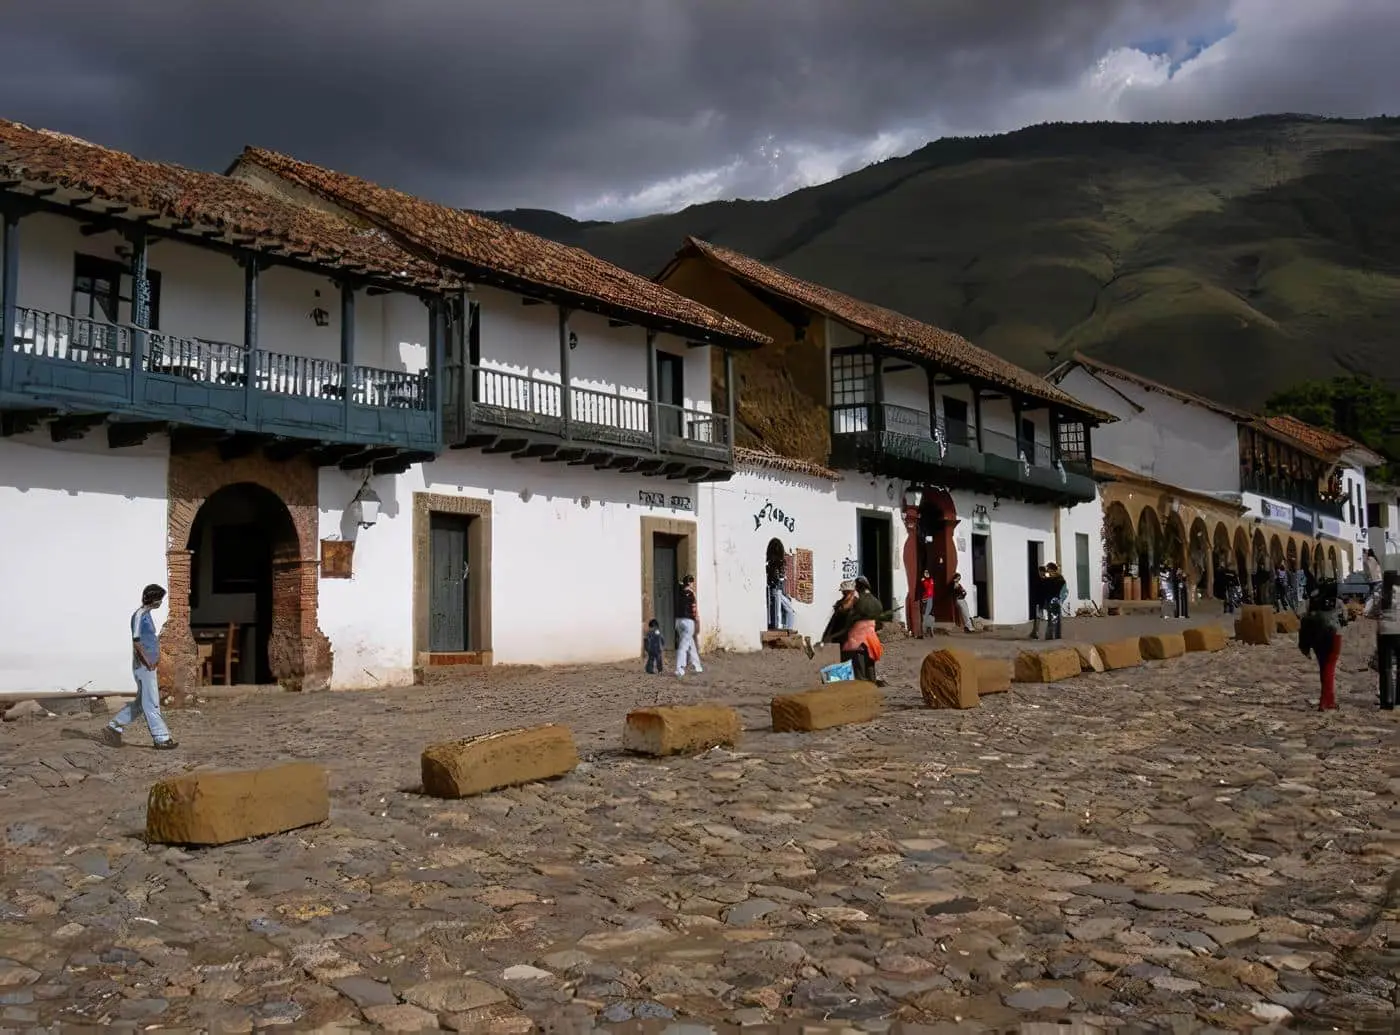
(1158, 436)
(84, 527)
(201, 295)
(566, 564)
(1384, 536)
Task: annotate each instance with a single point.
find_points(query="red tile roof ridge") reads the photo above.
(776, 461)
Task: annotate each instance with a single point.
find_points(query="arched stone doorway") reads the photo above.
(938, 517)
(1290, 555)
(1331, 571)
(1222, 558)
(1198, 561)
(280, 498)
(1120, 552)
(1242, 565)
(775, 574)
(1305, 558)
(1259, 567)
(1151, 550)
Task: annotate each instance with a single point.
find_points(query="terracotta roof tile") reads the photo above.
(200, 201)
(1320, 440)
(774, 461)
(901, 334)
(465, 239)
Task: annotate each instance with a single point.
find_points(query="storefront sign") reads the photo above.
(768, 512)
(660, 499)
(1302, 521)
(1329, 526)
(1276, 513)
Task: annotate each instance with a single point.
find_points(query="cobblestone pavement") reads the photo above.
(1189, 844)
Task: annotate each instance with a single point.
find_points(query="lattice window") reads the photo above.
(852, 391)
(1072, 449)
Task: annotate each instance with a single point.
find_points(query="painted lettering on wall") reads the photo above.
(768, 512)
(660, 499)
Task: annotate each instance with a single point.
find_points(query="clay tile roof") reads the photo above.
(1323, 441)
(899, 333)
(484, 247)
(1094, 365)
(767, 458)
(37, 159)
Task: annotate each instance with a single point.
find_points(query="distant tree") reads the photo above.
(1360, 407)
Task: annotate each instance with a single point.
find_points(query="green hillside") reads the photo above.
(1233, 259)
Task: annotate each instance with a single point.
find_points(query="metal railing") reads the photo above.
(92, 343)
(510, 399)
(916, 424)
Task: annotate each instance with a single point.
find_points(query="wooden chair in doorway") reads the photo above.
(230, 652)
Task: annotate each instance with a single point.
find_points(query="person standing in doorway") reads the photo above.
(1234, 595)
(1183, 590)
(687, 628)
(1388, 639)
(925, 598)
(1054, 591)
(145, 656)
(1038, 599)
(960, 602)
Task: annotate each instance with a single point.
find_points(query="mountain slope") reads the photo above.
(1232, 259)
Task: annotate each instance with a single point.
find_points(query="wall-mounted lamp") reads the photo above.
(980, 512)
(573, 340)
(996, 502)
(913, 497)
(320, 317)
(585, 502)
(366, 506)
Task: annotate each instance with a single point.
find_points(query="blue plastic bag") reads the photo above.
(842, 671)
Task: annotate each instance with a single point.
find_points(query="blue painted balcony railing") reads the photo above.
(909, 445)
(501, 399)
(77, 365)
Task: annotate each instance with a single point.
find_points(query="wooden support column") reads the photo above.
(347, 348)
(877, 377)
(932, 405)
(977, 415)
(1016, 426)
(250, 335)
(730, 386)
(140, 312)
(654, 411)
(1054, 436)
(437, 358)
(9, 291)
(566, 392)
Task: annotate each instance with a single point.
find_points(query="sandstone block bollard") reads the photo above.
(993, 676)
(1048, 666)
(1255, 624)
(1205, 638)
(1159, 648)
(836, 704)
(218, 808)
(680, 730)
(1089, 658)
(461, 768)
(948, 679)
(1286, 622)
(1120, 654)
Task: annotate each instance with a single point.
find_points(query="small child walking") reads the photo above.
(653, 645)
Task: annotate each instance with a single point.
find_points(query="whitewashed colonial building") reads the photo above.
(355, 434)
(887, 447)
(1383, 519)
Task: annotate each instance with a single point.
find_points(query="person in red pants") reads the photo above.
(1320, 634)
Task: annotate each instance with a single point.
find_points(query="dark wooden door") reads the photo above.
(875, 562)
(447, 594)
(979, 576)
(670, 392)
(1035, 557)
(665, 584)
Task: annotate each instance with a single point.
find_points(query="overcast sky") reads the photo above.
(612, 108)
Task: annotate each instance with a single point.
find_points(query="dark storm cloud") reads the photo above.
(545, 102)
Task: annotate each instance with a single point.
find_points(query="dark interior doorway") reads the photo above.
(775, 575)
(938, 516)
(1035, 557)
(670, 392)
(234, 540)
(981, 575)
(876, 563)
(449, 587)
(665, 584)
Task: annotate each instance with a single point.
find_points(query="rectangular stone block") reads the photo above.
(461, 768)
(1205, 638)
(1286, 622)
(1089, 659)
(948, 679)
(993, 676)
(1048, 666)
(1255, 624)
(680, 730)
(1163, 646)
(837, 704)
(217, 808)
(1120, 654)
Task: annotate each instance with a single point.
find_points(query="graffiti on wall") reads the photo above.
(768, 512)
(850, 568)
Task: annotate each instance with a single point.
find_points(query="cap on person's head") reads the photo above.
(1052, 567)
(862, 582)
(687, 580)
(152, 593)
(848, 586)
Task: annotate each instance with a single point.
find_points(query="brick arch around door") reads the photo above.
(299, 653)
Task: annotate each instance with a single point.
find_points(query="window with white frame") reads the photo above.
(852, 391)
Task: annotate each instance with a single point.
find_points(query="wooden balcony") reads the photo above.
(899, 442)
(78, 373)
(501, 412)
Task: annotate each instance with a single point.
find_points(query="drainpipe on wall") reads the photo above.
(1058, 564)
